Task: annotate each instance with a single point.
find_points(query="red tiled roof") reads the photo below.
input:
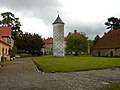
(48, 41)
(5, 31)
(109, 40)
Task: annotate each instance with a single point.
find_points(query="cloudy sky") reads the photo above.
(37, 16)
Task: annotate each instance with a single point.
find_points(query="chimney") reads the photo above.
(75, 31)
(105, 33)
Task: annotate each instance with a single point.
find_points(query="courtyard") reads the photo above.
(22, 74)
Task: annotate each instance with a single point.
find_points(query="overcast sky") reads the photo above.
(37, 16)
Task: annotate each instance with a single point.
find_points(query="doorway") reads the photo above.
(99, 53)
(111, 53)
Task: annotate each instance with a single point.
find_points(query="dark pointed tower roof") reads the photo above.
(58, 20)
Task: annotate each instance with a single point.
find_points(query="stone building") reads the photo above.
(58, 37)
(108, 45)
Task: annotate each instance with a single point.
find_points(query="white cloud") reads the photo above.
(31, 24)
(90, 10)
(34, 25)
(87, 16)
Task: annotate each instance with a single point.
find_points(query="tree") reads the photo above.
(76, 42)
(13, 51)
(29, 43)
(96, 39)
(90, 46)
(113, 23)
(9, 19)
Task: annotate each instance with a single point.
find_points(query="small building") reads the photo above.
(58, 38)
(108, 45)
(6, 42)
(48, 47)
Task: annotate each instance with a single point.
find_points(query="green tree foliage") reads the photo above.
(13, 51)
(29, 43)
(96, 39)
(113, 23)
(90, 46)
(76, 42)
(9, 19)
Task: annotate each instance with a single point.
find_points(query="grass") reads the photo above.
(112, 86)
(75, 63)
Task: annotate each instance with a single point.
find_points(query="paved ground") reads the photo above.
(23, 75)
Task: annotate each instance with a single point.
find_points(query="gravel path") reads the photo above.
(22, 74)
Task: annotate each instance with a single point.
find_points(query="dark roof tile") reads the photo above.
(58, 20)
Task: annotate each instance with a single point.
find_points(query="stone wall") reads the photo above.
(106, 52)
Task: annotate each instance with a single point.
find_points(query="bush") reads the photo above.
(112, 86)
(40, 53)
(13, 51)
(25, 55)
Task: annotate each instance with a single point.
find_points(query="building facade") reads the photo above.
(6, 42)
(108, 45)
(48, 47)
(58, 38)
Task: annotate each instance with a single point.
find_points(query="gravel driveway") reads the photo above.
(22, 74)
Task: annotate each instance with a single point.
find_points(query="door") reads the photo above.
(111, 53)
(99, 53)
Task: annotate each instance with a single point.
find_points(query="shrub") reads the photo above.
(23, 55)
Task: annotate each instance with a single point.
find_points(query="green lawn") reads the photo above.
(75, 63)
(112, 86)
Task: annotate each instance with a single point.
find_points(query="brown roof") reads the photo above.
(5, 31)
(48, 41)
(110, 40)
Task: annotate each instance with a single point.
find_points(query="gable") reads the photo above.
(5, 32)
(48, 41)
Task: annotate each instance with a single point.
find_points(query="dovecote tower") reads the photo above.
(58, 37)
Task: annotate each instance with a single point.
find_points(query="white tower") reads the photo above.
(58, 38)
